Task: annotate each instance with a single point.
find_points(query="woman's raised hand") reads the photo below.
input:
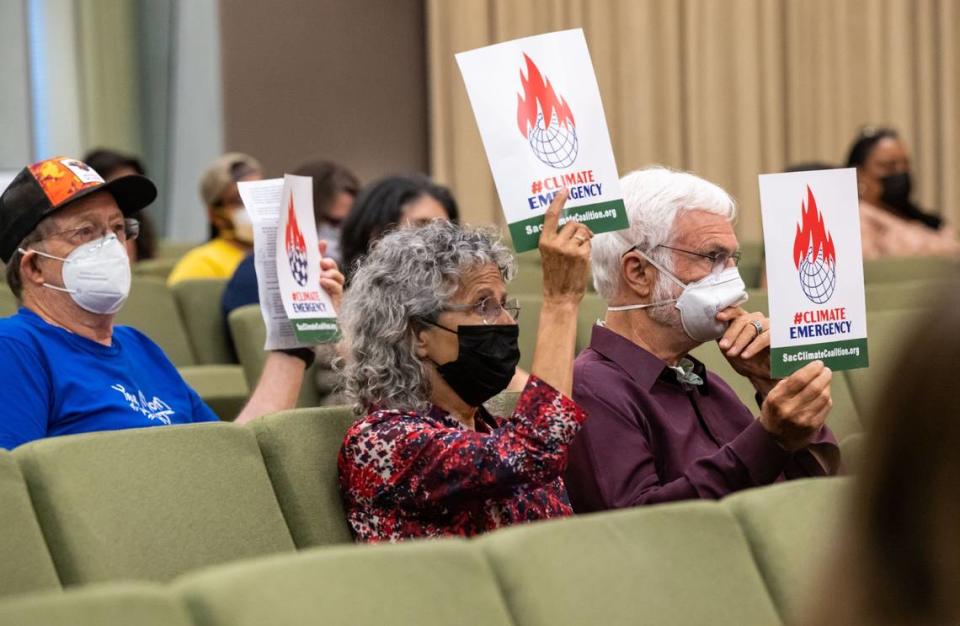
(565, 253)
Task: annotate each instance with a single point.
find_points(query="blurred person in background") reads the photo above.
(389, 202)
(111, 165)
(899, 559)
(334, 190)
(891, 224)
(230, 226)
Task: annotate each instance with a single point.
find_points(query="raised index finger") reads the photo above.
(551, 219)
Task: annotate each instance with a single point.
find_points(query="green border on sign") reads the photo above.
(327, 332)
(526, 233)
(782, 363)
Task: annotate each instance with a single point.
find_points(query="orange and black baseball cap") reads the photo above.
(48, 186)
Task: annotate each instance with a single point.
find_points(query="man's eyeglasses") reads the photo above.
(127, 230)
(489, 309)
(718, 259)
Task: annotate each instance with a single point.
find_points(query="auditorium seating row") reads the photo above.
(224, 524)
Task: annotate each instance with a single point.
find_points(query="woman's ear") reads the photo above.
(420, 340)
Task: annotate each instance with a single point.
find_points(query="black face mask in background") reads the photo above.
(486, 361)
(896, 194)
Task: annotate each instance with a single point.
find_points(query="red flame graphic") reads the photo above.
(539, 95)
(811, 232)
(293, 236)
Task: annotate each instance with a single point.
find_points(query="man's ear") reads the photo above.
(29, 269)
(637, 275)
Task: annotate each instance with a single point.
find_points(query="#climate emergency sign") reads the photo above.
(538, 108)
(811, 233)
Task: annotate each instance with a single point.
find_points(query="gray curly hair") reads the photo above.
(409, 275)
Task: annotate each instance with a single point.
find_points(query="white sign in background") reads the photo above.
(797, 318)
(494, 78)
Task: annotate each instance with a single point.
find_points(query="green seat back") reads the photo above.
(223, 387)
(790, 527)
(592, 308)
(300, 449)
(530, 306)
(149, 504)
(123, 604)
(167, 249)
(249, 336)
(199, 304)
(907, 294)
(852, 449)
(26, 563)
(154, 268)
(887, 336)
(686, 563)
(152, 310)
(909, 268)
(757, 301)
(751, 263)
(434, 583)
(8, 303)
(844, 417)
(529, 277)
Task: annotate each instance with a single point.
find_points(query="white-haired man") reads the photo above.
(661, 427)
(66, 368)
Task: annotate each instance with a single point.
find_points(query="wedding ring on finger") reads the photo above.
(758, 326)
(580, 238)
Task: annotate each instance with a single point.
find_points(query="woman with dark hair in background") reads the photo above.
(900, 563)
(890, 223)
(334, 190)
(389, 202)
(110, 165)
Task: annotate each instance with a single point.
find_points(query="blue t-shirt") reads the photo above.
(53, 382)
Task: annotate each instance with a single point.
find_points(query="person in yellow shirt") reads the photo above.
(230, 228)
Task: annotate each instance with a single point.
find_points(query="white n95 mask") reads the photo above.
(701, 300)
(96, 275)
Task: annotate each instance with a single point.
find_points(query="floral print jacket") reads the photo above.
(405, 475)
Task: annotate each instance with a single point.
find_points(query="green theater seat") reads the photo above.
(422, 584)
(681, 564)
(529, 322)
(152, 310)
(791, 528)
(887, 335)
(909, 268)
(249, 336)
(198, 302)
(300, 450)
(149, 504)
(8, 303)
(222, 387)
(125, 604)
(25, 563)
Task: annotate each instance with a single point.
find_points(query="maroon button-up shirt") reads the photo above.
(652, 439)
(405, 475)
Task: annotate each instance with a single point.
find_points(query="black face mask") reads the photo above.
(486, 361)
(896, 190)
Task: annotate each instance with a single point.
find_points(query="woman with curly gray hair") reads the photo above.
(430, 336)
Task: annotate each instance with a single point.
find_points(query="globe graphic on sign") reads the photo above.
(818, 277)
(555, 145)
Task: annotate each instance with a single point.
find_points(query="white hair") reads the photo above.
(654, 197)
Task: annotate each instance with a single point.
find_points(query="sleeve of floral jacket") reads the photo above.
(408, 461)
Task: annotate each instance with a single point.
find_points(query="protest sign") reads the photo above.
(296, 311)
(814, 263)
(538, 108)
